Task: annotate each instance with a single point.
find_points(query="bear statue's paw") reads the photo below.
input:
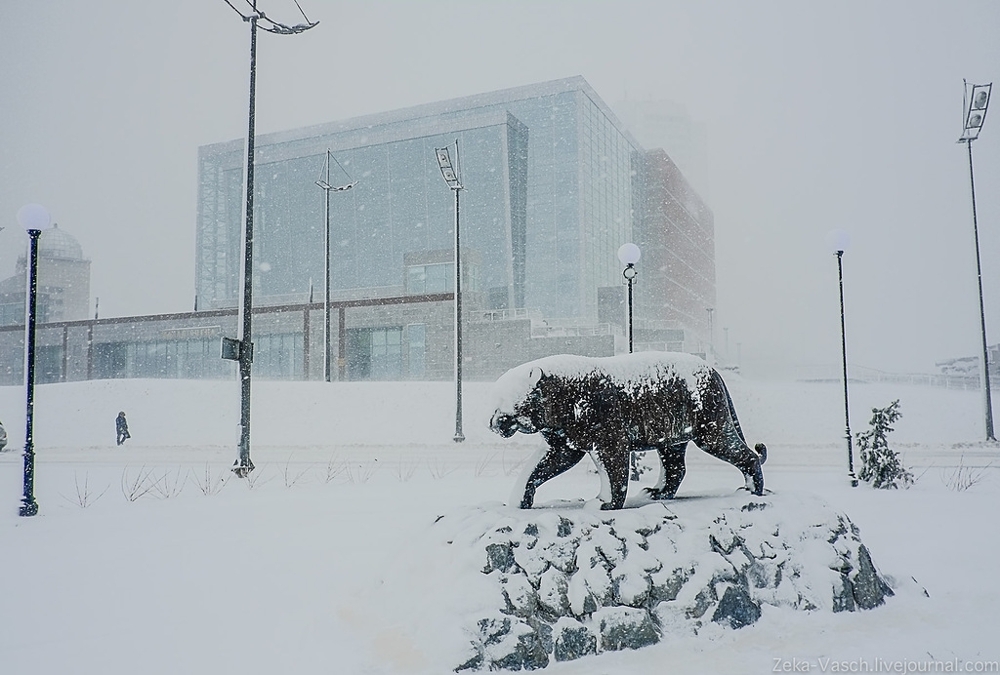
(659, 493)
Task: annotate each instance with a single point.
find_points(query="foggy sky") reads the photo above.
(818, 115)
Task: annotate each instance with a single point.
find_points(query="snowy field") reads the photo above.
(151, 558)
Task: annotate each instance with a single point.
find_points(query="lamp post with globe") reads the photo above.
(839, 241)
(629, 255)
(33, 218)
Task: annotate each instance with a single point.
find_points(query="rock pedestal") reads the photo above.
(572, 580)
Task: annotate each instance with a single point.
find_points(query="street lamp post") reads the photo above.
(839, 241)
(451, 175)
(327, 188)
(711, 335)
(629, 255)
(977, 100)
(33, 218)
(241, 349)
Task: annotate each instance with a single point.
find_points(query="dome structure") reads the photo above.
(56, 243)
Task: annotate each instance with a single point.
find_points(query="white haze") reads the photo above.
(817, 115)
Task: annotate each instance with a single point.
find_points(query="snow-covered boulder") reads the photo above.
(572, 580)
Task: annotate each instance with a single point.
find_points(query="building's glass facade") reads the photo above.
(548, 199)
(162, 358)
(398, 207)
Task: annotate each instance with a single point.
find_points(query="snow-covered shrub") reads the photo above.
(880, 464)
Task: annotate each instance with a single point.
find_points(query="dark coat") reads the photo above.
(121, 426)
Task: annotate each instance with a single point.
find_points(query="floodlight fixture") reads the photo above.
(449, 171)
(975, 105)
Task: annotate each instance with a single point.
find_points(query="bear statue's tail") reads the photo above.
(760, 448)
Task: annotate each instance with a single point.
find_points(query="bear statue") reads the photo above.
(612, 406)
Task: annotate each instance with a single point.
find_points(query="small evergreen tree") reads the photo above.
(880, 464)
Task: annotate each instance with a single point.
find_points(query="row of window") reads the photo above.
(372, 354)
(440, 278)
(12, 313)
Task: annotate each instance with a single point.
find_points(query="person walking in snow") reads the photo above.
(121, 427)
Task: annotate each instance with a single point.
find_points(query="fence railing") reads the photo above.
(858, 373)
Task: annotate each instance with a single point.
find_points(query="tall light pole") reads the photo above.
(327, 188)
(451, 175)
(977, 100)
(241, 349)
(33, 218)
(711, 333)
(839, 241)
(629, 255)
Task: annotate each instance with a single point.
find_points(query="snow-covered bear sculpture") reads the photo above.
(615, 405)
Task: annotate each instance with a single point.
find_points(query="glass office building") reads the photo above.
(553, 186)
(550, 185)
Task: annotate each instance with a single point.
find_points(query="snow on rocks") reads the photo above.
(570, 580)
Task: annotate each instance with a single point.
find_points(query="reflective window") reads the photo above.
(375, 353)
(416, 334)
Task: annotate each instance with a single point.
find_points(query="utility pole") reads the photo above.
(241, 349)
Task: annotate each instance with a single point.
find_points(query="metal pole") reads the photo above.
(982, 312)
(459, 436)
(29, 506)
(633, 462)
(326, 280)
(711, 335)
(843, 347)
(244, 465)
(630, 331)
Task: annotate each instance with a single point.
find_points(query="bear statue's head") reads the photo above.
(525, 414)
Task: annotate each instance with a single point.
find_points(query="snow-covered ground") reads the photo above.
(150, 558)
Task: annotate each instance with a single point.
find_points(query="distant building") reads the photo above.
(666, 124)
(63, 292)
(971, 366)
(553, 186)
(677, 239)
